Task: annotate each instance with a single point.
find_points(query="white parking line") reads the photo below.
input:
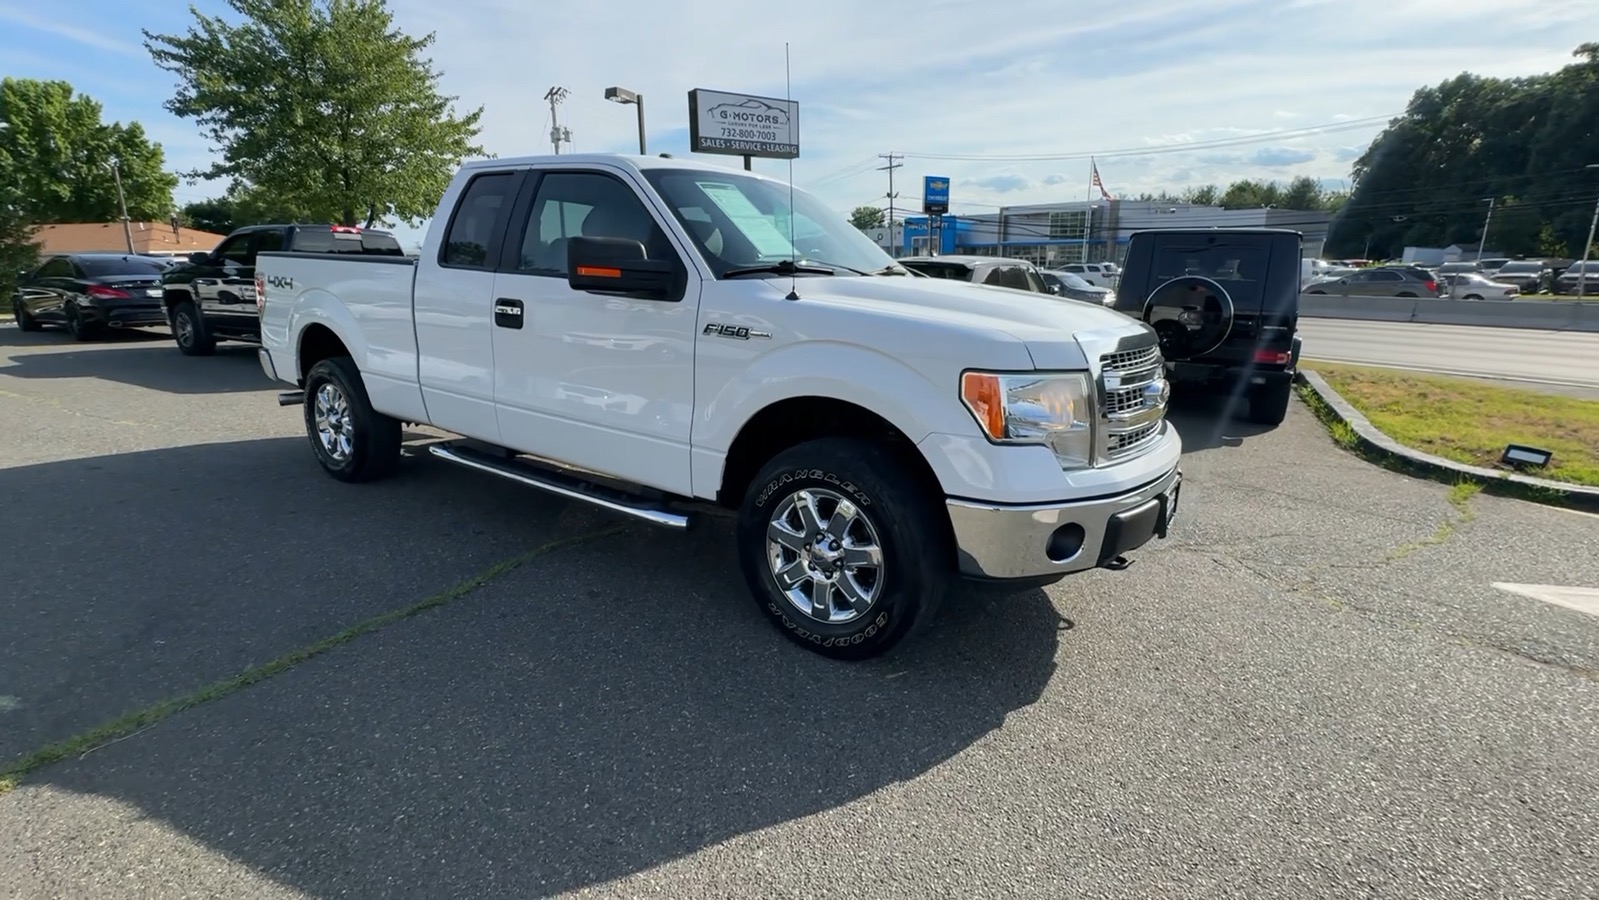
(1581, 599)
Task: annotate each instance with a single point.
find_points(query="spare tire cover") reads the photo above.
(1191, 316)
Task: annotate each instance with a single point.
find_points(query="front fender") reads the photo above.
(866, 377)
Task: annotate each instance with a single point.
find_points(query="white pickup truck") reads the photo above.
(668, 339)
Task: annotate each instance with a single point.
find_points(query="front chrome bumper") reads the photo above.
(997, 541)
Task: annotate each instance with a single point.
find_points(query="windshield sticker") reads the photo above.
(758, 228)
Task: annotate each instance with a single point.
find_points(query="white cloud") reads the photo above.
(53, 24)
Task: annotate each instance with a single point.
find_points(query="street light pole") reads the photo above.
(122, 203)
(1582, 274)
(624, 97)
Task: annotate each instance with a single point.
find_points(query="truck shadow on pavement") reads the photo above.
(146, 359)
(1210, 421)
(593, 714)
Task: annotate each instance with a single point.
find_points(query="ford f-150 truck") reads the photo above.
(669, 339)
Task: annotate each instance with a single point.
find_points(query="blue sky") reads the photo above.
(938, 79)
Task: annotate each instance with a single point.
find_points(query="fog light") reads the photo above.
(1066, 542)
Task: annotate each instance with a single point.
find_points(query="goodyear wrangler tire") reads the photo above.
(842, 548)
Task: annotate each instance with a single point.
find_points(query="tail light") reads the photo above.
(101, 292)
(344, 229)
(260, 293)
(1272, 357)
(1432, 285)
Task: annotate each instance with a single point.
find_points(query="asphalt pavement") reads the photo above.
(1559, 358)
(1312, 690)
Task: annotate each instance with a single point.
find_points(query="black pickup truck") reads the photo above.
(1224, 303)
(212, 297)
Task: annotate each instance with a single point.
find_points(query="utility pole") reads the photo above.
(1583, 273)
(1489, 221)
(557, 134)
(893, 243)
(122, 203)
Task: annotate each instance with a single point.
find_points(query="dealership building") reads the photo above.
(1051, 234)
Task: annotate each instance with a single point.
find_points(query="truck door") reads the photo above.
(452, 307)
(216, 290)
(599, 381)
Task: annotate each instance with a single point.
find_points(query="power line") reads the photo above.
(1161, 149)
(557, 134)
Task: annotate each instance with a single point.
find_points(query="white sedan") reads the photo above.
(1472, 286)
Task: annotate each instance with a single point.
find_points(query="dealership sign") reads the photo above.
(935, 195)
(742, 125)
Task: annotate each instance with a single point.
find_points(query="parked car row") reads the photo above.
(1016, 274)
(208, 297)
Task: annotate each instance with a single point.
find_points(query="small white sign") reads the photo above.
(742, 125)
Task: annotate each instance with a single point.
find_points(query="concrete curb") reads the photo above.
(1385, 449)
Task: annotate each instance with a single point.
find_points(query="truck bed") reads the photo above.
(374, 291)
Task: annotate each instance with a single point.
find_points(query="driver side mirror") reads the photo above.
(603, 265)
(201, 258)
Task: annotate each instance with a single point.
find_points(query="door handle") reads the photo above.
(508, 313)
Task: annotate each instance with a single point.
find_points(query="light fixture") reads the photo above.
(1520, 455)
(624, 96)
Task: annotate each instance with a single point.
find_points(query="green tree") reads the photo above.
(323, 104)
(241, 206)
(864, 217)
(57, 153)
(18, 250)
(1205, 195)
(1549, 244)
(1424, 178)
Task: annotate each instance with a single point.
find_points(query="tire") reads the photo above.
(898, 596)
(1473, 296)
(1405, 295)
(352, 441)
(80, 330)
(1268, 404)
(25, 321)
(1317, 293)
(188, 329)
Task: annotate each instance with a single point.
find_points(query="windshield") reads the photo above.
(738, 221)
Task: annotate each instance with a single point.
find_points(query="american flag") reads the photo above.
(1093, 168)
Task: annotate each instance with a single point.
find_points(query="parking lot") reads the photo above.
(1311, 689)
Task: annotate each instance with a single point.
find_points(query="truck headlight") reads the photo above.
(1049, 408)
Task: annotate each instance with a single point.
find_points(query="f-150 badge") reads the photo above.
(735, 332)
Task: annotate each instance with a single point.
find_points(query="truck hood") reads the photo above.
(1049, 326)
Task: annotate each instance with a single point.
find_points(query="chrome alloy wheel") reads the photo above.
(185, 327)
(825, 555)
(335, 429)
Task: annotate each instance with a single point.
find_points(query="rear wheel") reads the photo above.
(842, 547)
(1406, 295)
(1268, 403)
(188, 329)
(352, 441)
(1473, 296)
(77, 327)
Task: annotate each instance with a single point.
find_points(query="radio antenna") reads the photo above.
(788, 90)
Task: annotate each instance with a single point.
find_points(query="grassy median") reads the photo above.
(1471, 422)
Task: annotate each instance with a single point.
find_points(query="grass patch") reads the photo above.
(1471, 423)
(138, 721)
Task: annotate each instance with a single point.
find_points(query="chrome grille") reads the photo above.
(1130, 412)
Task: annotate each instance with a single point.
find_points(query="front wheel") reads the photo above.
(1473, 296)
(25, 320)
(842, 549)
(352, 441)
(188, 329)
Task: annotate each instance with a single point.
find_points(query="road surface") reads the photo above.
(1329, 683)
(1549, 357)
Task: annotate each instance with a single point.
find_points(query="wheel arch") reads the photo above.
(794, 420)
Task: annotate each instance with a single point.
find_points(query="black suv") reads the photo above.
(1224, 303)
(212, 297)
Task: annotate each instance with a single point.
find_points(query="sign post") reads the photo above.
(742, 125)
(935, 203)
